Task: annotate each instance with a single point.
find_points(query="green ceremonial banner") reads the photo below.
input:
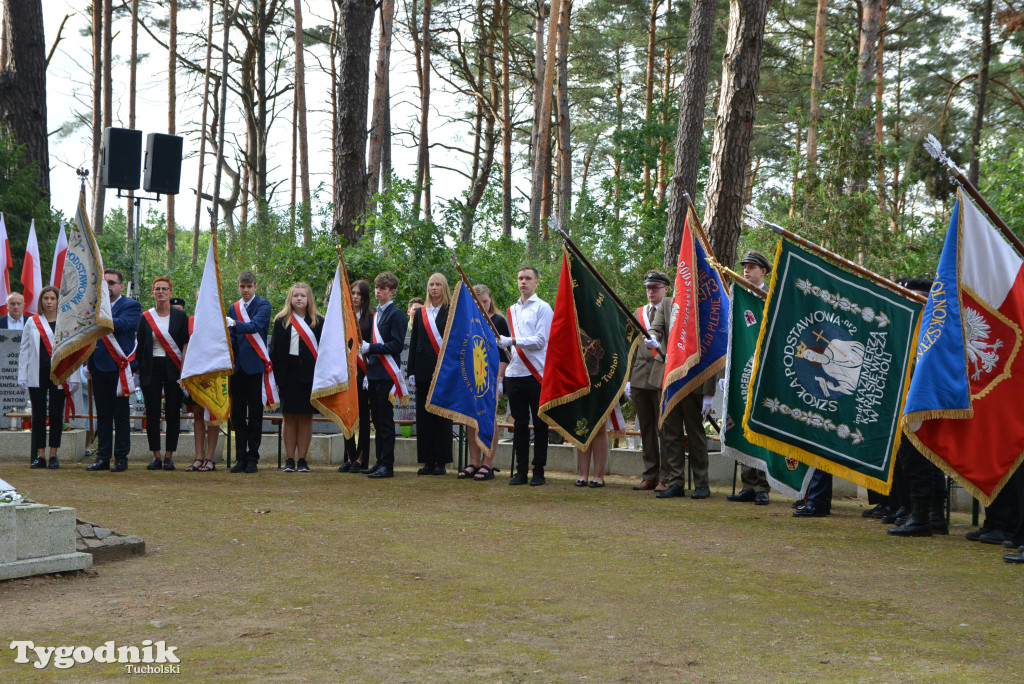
(786, 475)
(832, 369)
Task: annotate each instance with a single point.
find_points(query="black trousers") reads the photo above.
(113, 425)
(819, 490)
(524, 402)
(47, 401)
(247, 415)
(383, 413)
(360, 451)
(433, 432)
(1004, 513)
(161, 385)
(924, 480)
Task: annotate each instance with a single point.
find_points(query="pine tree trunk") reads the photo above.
(172, 121)
(355, 27)
(817, 74)
(652, 30)
(133, 58)
(381, 101)
(99, 191)
(734, 126)
(564, 128)
(423, 151)
(484, 144)
(542, 159)
(665, 90)
(537, 181)
(973, 167)
(690, 132)
(879, 94)
(866, 66)
(300, 105)
(203, 134)
(506, 126)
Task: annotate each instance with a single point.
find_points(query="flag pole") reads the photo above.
(344, 278)
(465, 281)
(934, 148)
(828, 254)
(615, 298)
(746, 284)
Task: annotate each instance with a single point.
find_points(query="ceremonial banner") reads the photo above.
(698, 320)
(963, 410)
(465, 383)
(786, 475)
(831, 369)
(589, 354)
(335, 392)
(208, 360)
(83, 309)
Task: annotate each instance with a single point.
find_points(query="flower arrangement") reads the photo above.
(11, 498)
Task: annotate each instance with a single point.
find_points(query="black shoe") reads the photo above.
(799, 503)
(168, 464)
(37, 462)
(100, 464)
(426, 470)
(878, 512)
(762, 499)
(54, 463)
(700, 493)
(381, 473)
(672, 492)
(250, 467)
(918, 525)
(438, 469)
(519, 478)
(120, 464)
(302, 467)
(155, 464)
(1009, 544)
(743, 496)
(937, 517)
(239, 466)
(359, 469)
(538, 478)
(1017, 558)
(977, 534)
(894, 517)
(994, 537)
(346, 466)
(810, 510)
(289, 465)
(595, 484)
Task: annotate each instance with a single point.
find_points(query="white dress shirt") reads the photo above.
(531, 326)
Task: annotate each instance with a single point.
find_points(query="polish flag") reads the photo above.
(963, 409)
(5, 267)
(31, 272)
(59, 252)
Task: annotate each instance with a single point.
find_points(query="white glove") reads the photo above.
(23, 384)
(86, 375)
(705, 407)
(364, 347)
(721, 384)
(366, 383)
(501, 387)
(627, 391)
(230, 321)
(412, 382)
(652, 343)
(505, 342)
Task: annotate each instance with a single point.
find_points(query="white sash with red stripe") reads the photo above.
(430, 325)
(46, 335)
(270, 394)
(123, 362)
(166, 341)
(306, 335)
(399, 390)
(521, 353)
(641, 314)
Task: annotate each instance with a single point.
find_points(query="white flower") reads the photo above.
(868, 314)
(843, 431)
(11, 498)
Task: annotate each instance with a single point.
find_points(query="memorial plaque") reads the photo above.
(12, 398)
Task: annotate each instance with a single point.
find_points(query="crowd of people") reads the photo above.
(149, 347)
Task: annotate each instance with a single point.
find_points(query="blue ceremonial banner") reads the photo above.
(465, 384)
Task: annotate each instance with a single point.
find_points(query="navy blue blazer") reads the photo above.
(246, 359)
(126, 313)
(7, 317)
(392, 323)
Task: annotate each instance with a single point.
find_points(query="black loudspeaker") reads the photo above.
(163, 164)
(122, 157)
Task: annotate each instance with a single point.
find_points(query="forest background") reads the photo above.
(431, 113)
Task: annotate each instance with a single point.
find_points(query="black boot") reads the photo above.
(120, 464)
(937, 517)
(917, 525)
(100, 464)
(900, 512)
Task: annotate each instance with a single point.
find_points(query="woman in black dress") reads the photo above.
(433, 433)
(293, 351)
(34, 375)
(357, 454)
(481, 468)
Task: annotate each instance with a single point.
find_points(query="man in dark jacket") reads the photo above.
(249, 321)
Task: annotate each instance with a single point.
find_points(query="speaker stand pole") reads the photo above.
(137, 201)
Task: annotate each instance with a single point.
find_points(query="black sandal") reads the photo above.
(466, 473)
(484, 472)
(193, 468)
(207, 466)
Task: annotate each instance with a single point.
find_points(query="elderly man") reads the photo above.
(644, 389)
(15, 318)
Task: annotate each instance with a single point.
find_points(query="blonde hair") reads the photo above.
(286, 312)
(446, 293)
(484, 291)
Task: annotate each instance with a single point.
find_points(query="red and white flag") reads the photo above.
(5, 267)
(31, 272)
(59, 252)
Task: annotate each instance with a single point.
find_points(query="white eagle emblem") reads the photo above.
(979, 351)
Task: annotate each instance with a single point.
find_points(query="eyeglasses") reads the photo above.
(113, 282)
(161, 289)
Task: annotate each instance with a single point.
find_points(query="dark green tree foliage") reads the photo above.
(20, 202)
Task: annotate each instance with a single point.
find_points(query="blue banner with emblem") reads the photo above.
(465, 384)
